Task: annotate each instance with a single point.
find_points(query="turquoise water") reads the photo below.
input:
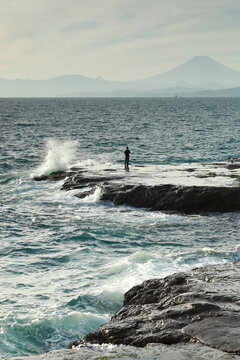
(65, 263)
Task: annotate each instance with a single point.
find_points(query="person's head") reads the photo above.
(127, 147)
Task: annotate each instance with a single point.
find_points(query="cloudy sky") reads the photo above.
(115, 39)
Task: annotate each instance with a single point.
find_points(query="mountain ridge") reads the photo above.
(198, 74)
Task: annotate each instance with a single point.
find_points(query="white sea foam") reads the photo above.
(93, 198)
(128, 271)
(97, 347)
(60, 155)
(98, 164)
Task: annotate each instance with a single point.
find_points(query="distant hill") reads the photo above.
(233, 92)
(58, 86)
(199, 73)
(168, 92)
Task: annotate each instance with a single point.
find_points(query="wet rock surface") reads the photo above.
(222, 332)
(184, 199)
(56, 175)
(75, 178)
(123, 352)
(200, 306)
(190, 315)
(166, 197)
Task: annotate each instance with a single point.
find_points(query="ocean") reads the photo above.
(66, 262)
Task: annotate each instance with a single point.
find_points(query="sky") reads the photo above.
(115, 39)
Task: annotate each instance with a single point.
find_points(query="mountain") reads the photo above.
(199, 73)
(58, 86)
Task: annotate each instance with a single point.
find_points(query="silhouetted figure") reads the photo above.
(127, 155)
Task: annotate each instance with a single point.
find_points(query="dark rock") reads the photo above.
(222, 332)
(190, 170)
(55, 176)
(208, 175)
(184, 199)
(60, 174)
(86, 193)
(201, 305)
(77, 181)
(233, 166)
(74, 179)
(110, 170)
(77, 169)
(148, 291)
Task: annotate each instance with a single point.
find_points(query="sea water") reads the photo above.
(65, 262)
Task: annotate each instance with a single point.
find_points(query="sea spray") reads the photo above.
(60, 155)
(94, 197)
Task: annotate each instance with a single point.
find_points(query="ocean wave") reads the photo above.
(60, 156)
(37, 336)
(102, 303)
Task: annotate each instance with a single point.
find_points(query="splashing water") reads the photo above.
(93, 198)
(60, 155)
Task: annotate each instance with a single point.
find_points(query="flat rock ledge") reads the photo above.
(124, 352)
(197, 307)
(163, 197)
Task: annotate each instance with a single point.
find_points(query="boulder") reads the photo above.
(200, 306)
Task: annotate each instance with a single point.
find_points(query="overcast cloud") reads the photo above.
(116, 39)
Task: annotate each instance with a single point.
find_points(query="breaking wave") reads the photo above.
(60, 156)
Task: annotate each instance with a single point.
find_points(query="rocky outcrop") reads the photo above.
(55, 176)
(190, 315)
(184, 199)
(201, 306)
(76, 179)
(174, 198)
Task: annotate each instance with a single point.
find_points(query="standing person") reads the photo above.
(127, 154)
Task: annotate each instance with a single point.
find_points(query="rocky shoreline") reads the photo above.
(188, 315)
(198, 306)
(135, 190)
